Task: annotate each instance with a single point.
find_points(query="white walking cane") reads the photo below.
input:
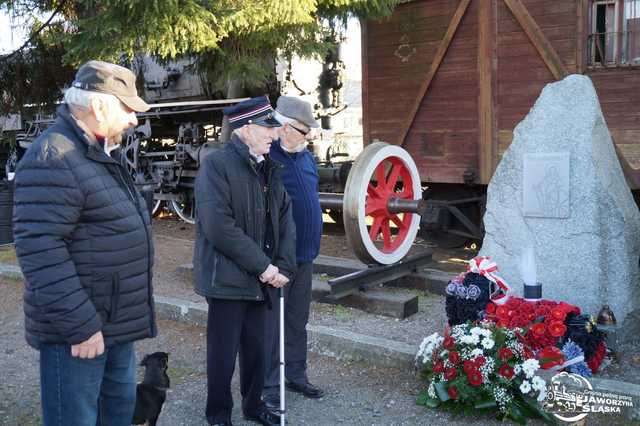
(282, 405)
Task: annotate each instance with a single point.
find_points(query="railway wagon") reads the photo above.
(448, 80)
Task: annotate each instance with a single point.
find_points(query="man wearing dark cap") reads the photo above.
(300, 178)
(83, 239)
(245, 243)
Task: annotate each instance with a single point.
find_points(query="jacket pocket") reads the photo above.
(228, 274)
(115, 297)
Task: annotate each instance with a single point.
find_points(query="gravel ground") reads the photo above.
(357, 394)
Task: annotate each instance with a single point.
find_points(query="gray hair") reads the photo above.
(79, 98)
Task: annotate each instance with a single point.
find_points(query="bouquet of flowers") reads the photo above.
(548, 327)
(482, 367)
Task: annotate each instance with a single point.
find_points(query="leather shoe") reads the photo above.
(271, 401)
(306, 389)
(265, 417)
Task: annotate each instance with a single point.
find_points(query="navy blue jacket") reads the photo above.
(83, 239)
(231, 225)
(300, 178)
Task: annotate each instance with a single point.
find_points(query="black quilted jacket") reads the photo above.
(83, 239)
(231, 223)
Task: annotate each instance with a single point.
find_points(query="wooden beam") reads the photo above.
(539, 41)
(486, 102)
(437, 60)
(581, 34)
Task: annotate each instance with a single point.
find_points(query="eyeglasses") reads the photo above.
(303, 133)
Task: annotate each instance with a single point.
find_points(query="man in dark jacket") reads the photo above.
(245, 242)
(300, 178)
(83, 239)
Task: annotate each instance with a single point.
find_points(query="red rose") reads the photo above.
(479, 361)
(491, 308)
(505, 354)
(503, 323)
(448, 342)
(538, 329)
(468, 366)
(502, 312)
(450, 374)
(568, 308)
(557, 329)
(550, 356)
(506, 371)
(558, 314)
(438, 367)
(531, 316)
(453, 392)
(454, 357)
(474, 377)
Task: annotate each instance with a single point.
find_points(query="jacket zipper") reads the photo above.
(136, 203)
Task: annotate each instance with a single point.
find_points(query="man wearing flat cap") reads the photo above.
(300, 178)
(83, 240)
(245, 244)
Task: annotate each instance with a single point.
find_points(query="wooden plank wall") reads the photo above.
(521, 71)
(445, 134)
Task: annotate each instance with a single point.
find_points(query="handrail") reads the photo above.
(598, 41)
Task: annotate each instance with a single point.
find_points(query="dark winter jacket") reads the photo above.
(231, 223)
(83, 239)
(300, 179)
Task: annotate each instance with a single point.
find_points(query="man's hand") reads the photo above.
(279, 281)
(90, 348)
(269, 274)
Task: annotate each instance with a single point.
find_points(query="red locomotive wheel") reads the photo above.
(381, 172)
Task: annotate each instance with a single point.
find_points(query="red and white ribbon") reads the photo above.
(484, 266)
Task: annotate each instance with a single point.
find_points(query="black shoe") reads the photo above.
(265, 417)
(306, 389)
(271, 401)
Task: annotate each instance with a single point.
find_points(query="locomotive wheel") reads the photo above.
(184, 210)
(380, 172)
(158, 206)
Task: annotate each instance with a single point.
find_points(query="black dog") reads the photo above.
(151, 393)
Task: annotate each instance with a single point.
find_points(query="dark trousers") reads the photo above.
(297, 297)
(234, 326)
(88, 392)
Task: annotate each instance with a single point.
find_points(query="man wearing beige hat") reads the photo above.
(300, 178)
(83, 240)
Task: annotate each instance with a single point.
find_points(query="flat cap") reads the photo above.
(297, 109)
(112, 79)
(252, 111)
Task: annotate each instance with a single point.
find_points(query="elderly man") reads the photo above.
(83, 239)
(245, 243)
(300, 178)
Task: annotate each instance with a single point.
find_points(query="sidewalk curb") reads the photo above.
(324, 340)
(341, 344)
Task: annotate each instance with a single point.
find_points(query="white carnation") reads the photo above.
(538, 383)
(525, 387)
(542, 395)
(488, 343)
(476, 352)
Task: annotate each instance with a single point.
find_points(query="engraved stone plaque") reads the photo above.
(546, 185)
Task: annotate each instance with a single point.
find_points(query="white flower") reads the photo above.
(476, 331)
(538, 383)
(473, 339)
(525, 387)
(530, 366)
(476, 352)
(485, 332)
(542, 395)
(488, 343)
(517, 369)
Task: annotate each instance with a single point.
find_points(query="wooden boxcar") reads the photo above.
(450, 79)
